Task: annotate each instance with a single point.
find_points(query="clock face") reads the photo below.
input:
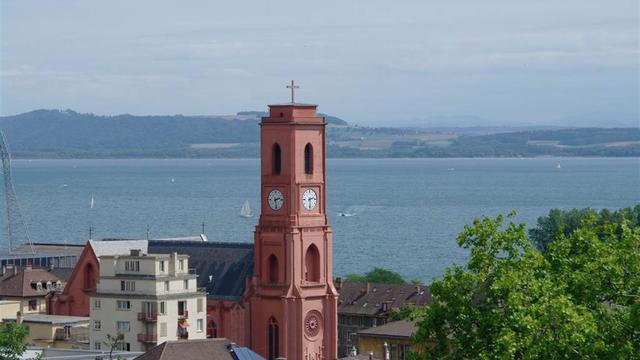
(309, 199)
(276, 199)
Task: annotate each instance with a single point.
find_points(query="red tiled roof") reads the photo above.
(214, 349)
(18, 283)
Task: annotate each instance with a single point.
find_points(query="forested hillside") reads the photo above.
(68, 134)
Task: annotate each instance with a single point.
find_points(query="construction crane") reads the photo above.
(17, 230)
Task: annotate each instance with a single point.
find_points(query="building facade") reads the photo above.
(294, 306)
(276, 295)
(54, 331)
(390, 341)
(149, 298)
(368, 305)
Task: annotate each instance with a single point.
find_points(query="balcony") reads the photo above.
(147, 316)
(147, 338)
(183, 315)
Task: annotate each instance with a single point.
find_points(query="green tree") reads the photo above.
(113, 342)
(564, 222)
(12, 340)
(578, 300)
(377, 275)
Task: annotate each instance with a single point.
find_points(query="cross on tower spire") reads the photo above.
(293, 86)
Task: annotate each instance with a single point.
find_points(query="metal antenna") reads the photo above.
(147, 231)
(17, 229)
(203, 227)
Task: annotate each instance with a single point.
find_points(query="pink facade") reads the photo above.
(74, 300)
(294, 306)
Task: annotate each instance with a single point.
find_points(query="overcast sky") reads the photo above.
(369, 62)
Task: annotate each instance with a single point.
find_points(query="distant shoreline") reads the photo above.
(331, 158)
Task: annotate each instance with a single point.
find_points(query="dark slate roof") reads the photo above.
(228, 264)
(368, 299)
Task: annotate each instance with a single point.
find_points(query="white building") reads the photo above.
(150, 298)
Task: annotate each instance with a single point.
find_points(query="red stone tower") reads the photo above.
(294, 307)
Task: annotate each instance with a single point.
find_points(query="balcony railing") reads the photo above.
(147, 316)
(147, 338)
(183, 315)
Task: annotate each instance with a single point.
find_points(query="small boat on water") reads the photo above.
(245, 212)
(558, 166)
(345, 214)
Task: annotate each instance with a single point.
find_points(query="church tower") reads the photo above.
(294, 305)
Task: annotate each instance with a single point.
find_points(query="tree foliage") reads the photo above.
(377, 275)
(12, 340)
(566, 222)
(113, 343)
(580, 299)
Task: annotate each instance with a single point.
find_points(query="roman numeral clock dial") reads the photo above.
(309, 199)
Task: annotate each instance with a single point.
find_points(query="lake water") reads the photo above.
(407, 212)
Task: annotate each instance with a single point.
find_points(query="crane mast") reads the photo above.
(17, 230)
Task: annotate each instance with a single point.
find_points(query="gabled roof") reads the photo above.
(369, 299)
(17, 282)
(222, 268)
(205, 349)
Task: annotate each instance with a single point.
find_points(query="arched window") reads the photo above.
(274, 339)
(308, 159)
(273, 269)
(276, 159)
(212, 329)
(312, 264)
(89, 277)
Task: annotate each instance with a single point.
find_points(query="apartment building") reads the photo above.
(150, 298)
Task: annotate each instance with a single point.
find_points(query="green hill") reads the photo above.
(68, 134)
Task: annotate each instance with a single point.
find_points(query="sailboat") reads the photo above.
(246, 210)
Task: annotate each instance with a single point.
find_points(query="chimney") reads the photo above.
(9, 269)
(385, 306)
(368, 290)
(354, 351)
(338, 283)
(19, 318)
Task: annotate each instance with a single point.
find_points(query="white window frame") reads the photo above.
(125, 328)
(97, 325)
(123, 302)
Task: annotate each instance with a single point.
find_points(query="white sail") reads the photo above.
(92, 201)
(246, 210)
